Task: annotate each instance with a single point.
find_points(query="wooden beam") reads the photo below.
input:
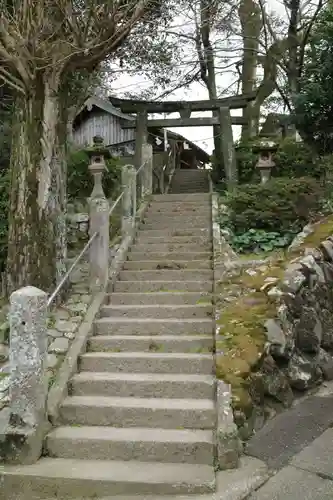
(185, 122)
(134, 106)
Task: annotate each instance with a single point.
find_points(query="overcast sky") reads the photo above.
(203, 136)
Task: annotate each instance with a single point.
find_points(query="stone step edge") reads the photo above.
(155, 306)
(122, 319)
(139, 377)
(132, 402)
(112, 470)
(159, 435)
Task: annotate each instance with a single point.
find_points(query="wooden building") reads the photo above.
(100, 117)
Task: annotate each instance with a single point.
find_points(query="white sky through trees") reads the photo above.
(227, 54)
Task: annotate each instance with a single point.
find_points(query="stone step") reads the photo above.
(161, 298)
(189, 186)
(178, 226)
(167, 264)
(163, 274)
(184, 220)
(162, 286)
(138, 412)
(185, 214)
(134, 443)
(172, 233)
(156, 327)
(182, 209)
(173, 256)
(190, 189)
(172, 247)
(157, 311)
(193, 240)
(143, 385)
(147, 362)
(69, 478)
(157, 213)
(193, 197)
(151, 343)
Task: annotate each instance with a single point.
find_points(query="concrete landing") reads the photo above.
(291, 483)
(288, 433)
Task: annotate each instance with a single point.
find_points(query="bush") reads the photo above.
(80, 181)
(292, 159)
(79, 186)
(281, 205)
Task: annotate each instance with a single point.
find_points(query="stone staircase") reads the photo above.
(189, 181)
(140, 417)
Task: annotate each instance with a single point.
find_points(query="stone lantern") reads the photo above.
(99, 220)
(97, 154)
(266, 148)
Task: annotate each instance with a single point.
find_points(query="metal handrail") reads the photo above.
(116, 202)
(139, 169)
(86, 247)
(66, 276)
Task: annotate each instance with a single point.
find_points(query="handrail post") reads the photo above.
(99, 221)
(25, 422)
(133, 180)
(147, 158)
(128, 174)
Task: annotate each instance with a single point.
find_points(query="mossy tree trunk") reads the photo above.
(37, 230)
(251, 23)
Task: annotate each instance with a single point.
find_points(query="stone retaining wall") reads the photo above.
(274, 325)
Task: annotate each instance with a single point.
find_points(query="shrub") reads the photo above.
(281, 205)
(80, 181)
(79, 186)
(292, 159)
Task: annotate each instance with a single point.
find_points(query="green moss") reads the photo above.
(241, 341)
(204, 301)
(322, 230)
(54, 371)
(200, 350)
(51, 320)
(155, 347)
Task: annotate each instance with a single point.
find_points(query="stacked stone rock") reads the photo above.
(298, 355)
(302, 333)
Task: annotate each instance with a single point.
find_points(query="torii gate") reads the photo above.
(223, 118)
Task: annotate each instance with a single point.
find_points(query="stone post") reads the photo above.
(147, 156)
(132, 181)
(99, 221)
(141, 138)
(127, 200)
(229, 447)
(27, 422)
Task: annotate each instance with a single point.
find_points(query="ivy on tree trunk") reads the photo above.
(37, 231)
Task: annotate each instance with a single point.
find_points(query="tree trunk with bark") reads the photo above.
(37, 230)
(251, 21)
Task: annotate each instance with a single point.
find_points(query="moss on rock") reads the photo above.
(321, 230)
